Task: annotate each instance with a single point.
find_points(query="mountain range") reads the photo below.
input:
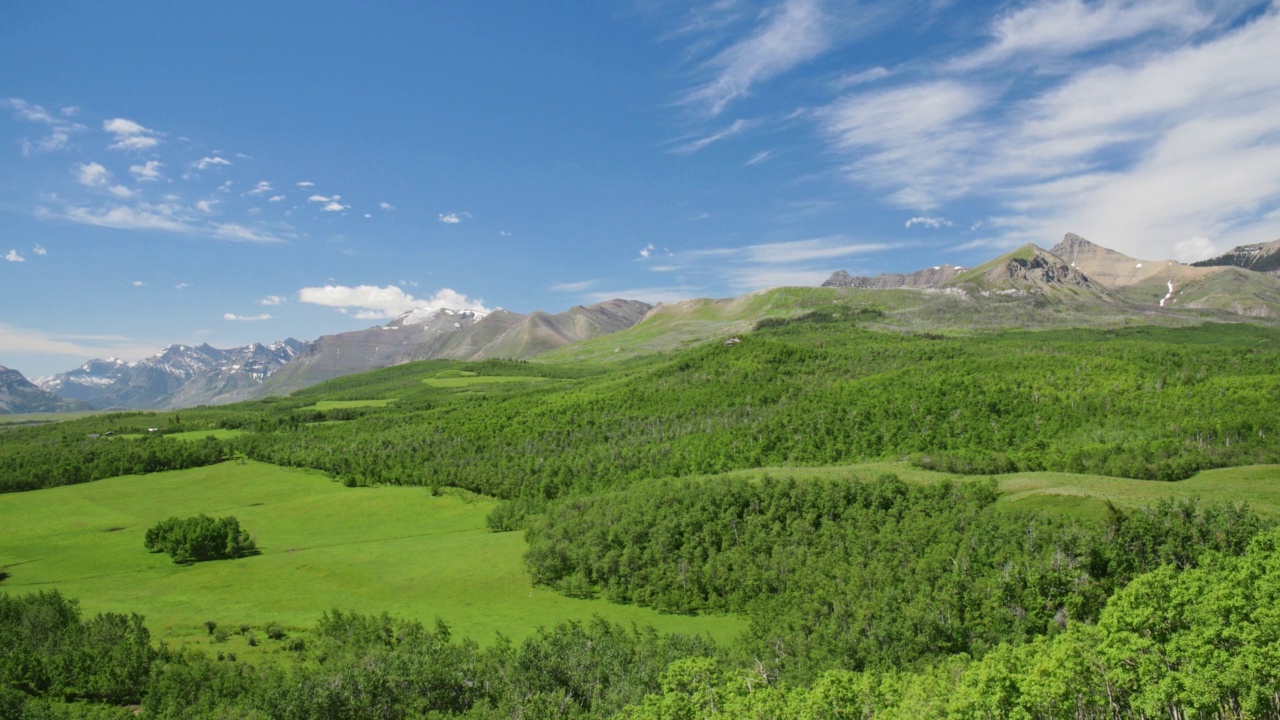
(1242, 282)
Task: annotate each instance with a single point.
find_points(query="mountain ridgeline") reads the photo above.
(1241, 282)
(1087, 285)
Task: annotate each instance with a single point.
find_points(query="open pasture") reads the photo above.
(1071, 493)
(394, 549)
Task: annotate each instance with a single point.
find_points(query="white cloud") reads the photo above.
(271, 300)
(738, 126)
(148, 171)
(324, 199)
(14, 257)
(573, 287)
(652, 295)
(861, 78)
(262, 188)
(930, 222)
(182, 286)
(141, 217)
(206, 206)
(306, 184)
(39, 250)
(1143, 153)
(91, 174)
(129, 135)
(798, 251)
(759, 158)
(1056, 28)
(120, 191)
(234, 231)
(207, 162)
(647, 250)
(453, 218)
(27, 341)
(386, 206)
(795, 32)
(59, 130)
(137, 283)
(275, 198)
(245, 318)
(335, 207)
(369, 302)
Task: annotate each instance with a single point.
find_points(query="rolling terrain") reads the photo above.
(1008, 475)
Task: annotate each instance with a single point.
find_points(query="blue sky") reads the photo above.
(237, 172)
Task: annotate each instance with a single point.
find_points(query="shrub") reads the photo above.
(275, 631)
(199, 538)
(210, 626)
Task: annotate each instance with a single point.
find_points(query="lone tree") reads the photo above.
(194, 539)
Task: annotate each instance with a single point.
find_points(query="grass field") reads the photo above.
(219, 433)
(392, 549)
(1081, 495)
(340, 404)
(469, 380)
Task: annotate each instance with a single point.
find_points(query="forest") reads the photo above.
(866, 595)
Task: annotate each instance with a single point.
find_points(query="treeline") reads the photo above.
(1177, 643)
(43, 457)
(48, 651)
(851, 574)
(815, 393)
(358, 667)
(199, 538)
(1199, 643)
(820, 390)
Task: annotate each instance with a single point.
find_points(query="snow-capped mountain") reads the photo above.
(179, 376)
(19, 395)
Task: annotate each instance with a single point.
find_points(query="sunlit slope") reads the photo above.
(323, 546)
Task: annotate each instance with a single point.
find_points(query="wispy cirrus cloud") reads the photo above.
(1045, 31)
(29, 341)
(929, 222)
(574, 287)
(58, 128)
(691, 146)
(246, 318)
(1115, 148)
(371, 302)
(757, 266)
(793, 32)
(242, 233)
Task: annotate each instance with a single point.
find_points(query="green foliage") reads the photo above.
(863, 574)
(1147, 404)
(1197, 643)
(48, 651)
(62, 454)
(200, 538)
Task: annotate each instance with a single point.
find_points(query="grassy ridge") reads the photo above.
(323, 546)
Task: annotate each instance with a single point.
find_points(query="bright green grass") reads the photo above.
(340, 404)
(218, 433)
(1072, 494)
(323, 546)
(469, 380)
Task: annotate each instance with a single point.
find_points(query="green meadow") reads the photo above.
(394, 549)
(469, 380)
(1075, 494)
